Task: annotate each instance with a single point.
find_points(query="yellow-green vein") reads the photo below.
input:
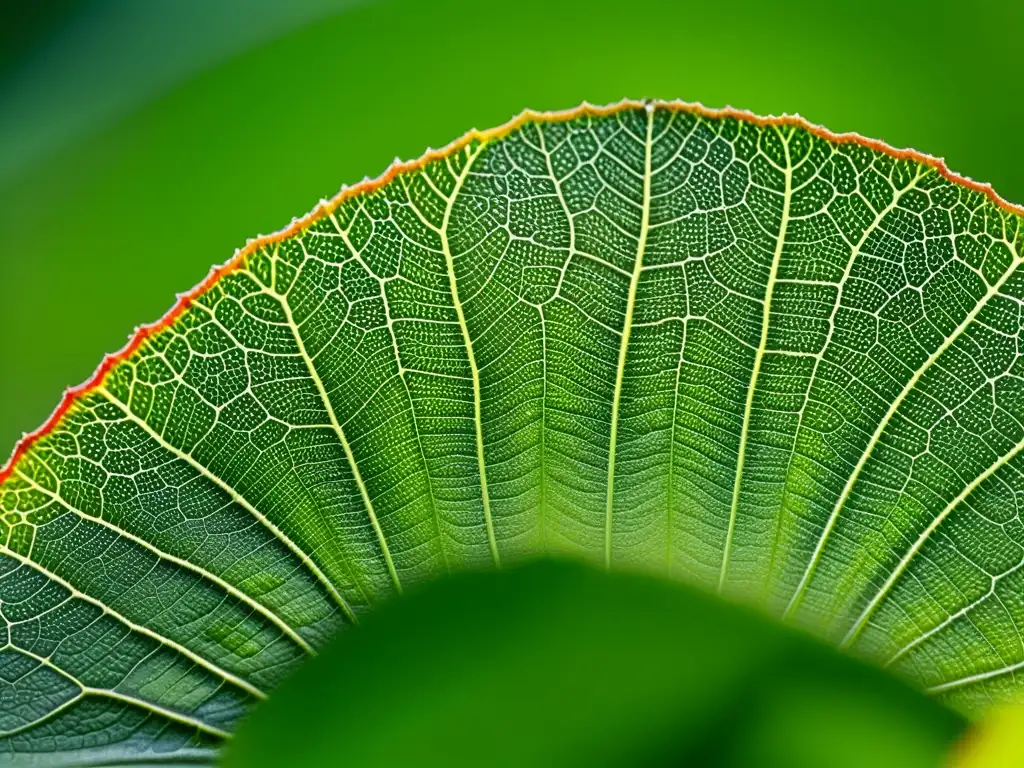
(346, 447)
(627, 327)
(844, 496)
(471, 155)
(842, 284)
(192, 656)
(232, 590)
(758, 358)
(542, 492)
(134, 701)
(861, 622)
(238, 499)
(343, 233)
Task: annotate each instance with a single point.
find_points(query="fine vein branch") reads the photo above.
(748, 408)
(627, 327)
(876, 436)
(231, 589)
(240, 500)
(346, 447)
(474, 369)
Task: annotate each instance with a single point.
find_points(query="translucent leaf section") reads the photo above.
(742, 352)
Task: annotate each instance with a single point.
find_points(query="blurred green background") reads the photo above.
(141, 142)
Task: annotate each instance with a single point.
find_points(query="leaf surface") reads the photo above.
(741, 352)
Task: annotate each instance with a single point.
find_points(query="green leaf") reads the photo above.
(744, 353)
(559, 665)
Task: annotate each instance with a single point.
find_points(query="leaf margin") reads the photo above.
(326, 207)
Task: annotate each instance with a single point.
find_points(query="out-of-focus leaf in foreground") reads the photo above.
(556, 664)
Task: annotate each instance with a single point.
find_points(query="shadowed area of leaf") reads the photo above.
(554, 663)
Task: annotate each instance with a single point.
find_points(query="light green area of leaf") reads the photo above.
(995, 741)
(557, 665)
(735, 354)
